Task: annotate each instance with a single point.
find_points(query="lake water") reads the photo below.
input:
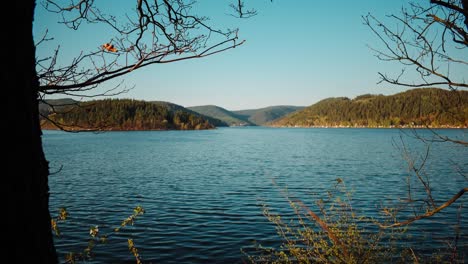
(203, 190)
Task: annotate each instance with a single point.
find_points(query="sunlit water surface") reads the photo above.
(203, 191)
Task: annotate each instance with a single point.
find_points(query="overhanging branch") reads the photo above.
(428, 214)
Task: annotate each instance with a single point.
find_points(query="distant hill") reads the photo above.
(249, 117)
(174, 107)
(418, 107)
(265, 115)
(121, 114)
(49, 106)
(231, 118)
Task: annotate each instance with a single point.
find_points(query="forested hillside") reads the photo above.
(123, 114)
(264, 115)
(229, 117)
(418, 107)
(250, 117)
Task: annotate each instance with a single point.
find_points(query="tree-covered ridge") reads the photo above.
(418, 107)
(264, 115)
(250, 117)
(217, 122)
(125, 114)
(229, 117)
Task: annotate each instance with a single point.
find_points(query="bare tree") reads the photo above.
(429, 39)
(157, 32)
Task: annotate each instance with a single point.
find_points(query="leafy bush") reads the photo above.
(333, 232)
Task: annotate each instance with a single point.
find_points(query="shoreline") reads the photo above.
(375, 127)
(75, 130)
(279, 127)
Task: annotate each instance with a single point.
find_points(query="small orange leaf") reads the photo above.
(109, 47)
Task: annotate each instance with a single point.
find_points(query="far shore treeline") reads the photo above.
(425, 107)
(121, 114)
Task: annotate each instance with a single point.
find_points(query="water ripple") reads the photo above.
(203, 191)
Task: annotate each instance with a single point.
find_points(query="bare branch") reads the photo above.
(436, 137)
(103, 76)
(43, 39)
(450, 6)
(421, 40)
(240, 11)
(155, 33)
(430, 213)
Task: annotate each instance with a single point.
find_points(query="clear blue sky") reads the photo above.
(296, 53)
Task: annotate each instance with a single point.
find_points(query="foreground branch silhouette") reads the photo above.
(152, 32)
(155, 33)
(430, 213)
(430, 39)
(425, 41)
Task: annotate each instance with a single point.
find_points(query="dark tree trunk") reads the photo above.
(27, 212)
(465, 8)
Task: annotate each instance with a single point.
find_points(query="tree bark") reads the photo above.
(27, 212)
(465, 8)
